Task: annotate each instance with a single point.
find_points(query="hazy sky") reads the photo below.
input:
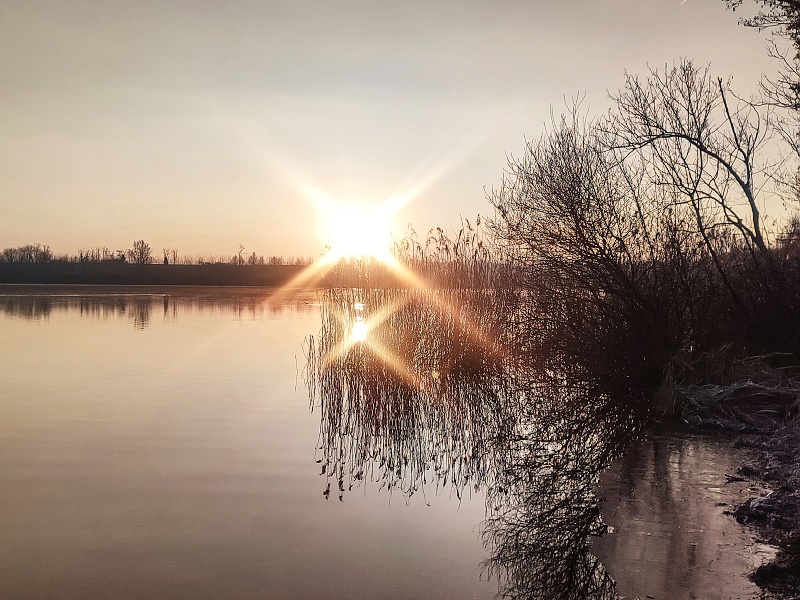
(196, 125)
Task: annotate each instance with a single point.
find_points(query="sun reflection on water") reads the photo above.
(360, 330)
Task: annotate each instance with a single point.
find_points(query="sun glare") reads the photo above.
(358, 232)
(360, 331)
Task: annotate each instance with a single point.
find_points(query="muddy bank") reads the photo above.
(775, 461)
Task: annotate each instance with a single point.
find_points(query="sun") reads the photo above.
(357, 231)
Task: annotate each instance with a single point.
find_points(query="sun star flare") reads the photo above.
(357, 231)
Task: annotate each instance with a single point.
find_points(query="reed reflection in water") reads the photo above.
(176, 461)
(390, 412)
(431, 401)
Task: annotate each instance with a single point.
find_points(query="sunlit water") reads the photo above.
(160, 444)
(156, 447)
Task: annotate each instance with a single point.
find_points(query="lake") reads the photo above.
(161, 443)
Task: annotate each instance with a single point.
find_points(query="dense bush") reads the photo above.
(638, 236)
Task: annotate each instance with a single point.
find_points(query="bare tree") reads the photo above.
(696, 136)
(612, 275)
(780, 15)
(140, 253)
(170, 255)
(30, 253)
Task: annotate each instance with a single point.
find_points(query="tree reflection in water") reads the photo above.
(139, 305)
(429, 399)
(402, 408)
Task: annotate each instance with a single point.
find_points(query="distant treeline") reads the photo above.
(141, 253)
(123, 273)
(439, 263)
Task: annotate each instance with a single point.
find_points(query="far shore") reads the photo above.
(121, 273)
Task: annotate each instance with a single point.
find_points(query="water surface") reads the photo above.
(160, 443)
(669, 503)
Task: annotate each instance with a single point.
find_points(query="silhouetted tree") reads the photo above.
(30, 253)
(640, 234)
(593, 247)
(697, 137)
(140, 253)
(782, 15)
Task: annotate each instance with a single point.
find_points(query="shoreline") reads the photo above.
(776, 515)
(666, 504)
(762, 421)
(115, 273)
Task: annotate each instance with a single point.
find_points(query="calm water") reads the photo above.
(157, 447)
(161, 445)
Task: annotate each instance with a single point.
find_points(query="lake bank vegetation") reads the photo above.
(647, 263)
(641, 236)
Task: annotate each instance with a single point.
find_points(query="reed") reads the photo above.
(442, 396)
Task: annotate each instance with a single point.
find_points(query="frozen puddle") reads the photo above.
(668, 501)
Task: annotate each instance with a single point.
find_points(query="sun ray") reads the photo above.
(396, 364)
(357, 232)
(369, 324)
(462, 312)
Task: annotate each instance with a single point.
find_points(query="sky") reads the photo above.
(205, 125)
